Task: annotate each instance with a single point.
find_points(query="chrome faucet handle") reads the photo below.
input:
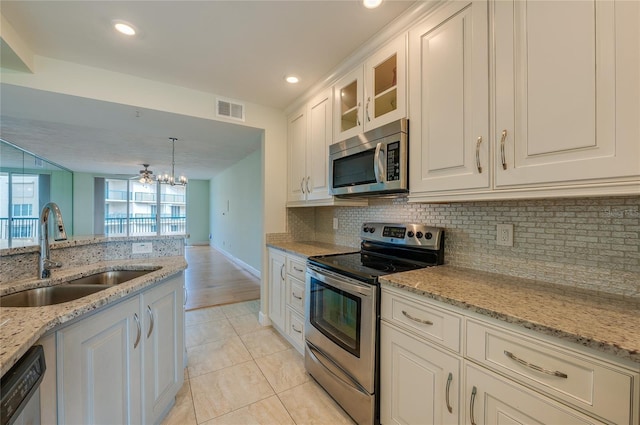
(50, 264)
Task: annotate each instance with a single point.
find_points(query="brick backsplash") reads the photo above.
(589, 243)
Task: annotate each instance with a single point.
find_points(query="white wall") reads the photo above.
(236, 211)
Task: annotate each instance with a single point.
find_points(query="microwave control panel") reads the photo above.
(393, 161)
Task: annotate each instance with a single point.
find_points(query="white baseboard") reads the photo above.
(240, 263)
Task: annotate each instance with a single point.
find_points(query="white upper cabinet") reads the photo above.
(556, 82)
(319, 133)
(373, 94)
(567, 85)
(297, 141)
(449, 101)
(310, 133)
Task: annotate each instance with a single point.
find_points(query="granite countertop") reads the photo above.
(21, 327)
(310, 248)
(602, 322)
(75, 241)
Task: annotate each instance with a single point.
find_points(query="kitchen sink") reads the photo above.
(71, 290)
(50, 295)
(112, 277)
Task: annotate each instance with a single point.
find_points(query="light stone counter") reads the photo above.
(309, 249)
(21, 327)
(600, 321)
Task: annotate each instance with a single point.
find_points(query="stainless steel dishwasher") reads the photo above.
(20, 399)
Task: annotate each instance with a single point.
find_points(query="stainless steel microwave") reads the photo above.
(372, 163)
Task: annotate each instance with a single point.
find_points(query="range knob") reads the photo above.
(428, 235)
(372, 229)
(410, 233)
(365, 229)
(418, 235)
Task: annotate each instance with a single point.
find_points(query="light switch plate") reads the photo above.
(504, 234)
(142, 248)
(335, 223)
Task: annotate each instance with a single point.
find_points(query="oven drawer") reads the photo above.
(295, 328)
(295, 294)
(296, 267)
(595, 386)
(422, 318)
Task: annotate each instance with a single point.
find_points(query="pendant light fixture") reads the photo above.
(170, 179)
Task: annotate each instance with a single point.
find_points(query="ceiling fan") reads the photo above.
(145, 176)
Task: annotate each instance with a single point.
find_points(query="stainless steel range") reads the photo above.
(342, 308)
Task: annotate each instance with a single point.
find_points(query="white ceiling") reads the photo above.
(236, 49)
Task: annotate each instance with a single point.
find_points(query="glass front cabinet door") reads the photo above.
(373, 94)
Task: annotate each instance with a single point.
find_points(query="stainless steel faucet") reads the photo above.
(59, 234)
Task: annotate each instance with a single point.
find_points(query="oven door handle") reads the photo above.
(340, 282)
(379, 164)
(317, 356)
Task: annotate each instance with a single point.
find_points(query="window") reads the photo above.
(22, 210)
(131, 208)
(20, 195)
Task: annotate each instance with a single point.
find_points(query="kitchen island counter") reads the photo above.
(21, 327)
(602, 322)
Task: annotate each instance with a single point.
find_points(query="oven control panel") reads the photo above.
(403, 234)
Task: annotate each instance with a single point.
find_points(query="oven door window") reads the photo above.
(355, 169)
(336, 314)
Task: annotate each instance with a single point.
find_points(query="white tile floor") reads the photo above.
(239, 372)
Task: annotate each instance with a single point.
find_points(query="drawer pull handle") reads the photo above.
(449, 379)
(282, 272)
(151, 318)
(415, 319)
(293, 294)
(535, 367)
(294, 328)
(472, 404)
(139, 333)
(297, 269)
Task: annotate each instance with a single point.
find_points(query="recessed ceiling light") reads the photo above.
(124, 28)
(371, 4)
(292, 79)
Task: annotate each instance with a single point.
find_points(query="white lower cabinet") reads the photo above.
(502, 374)
(419, 384)
(163, 348)
(123, 365)
(286, 295)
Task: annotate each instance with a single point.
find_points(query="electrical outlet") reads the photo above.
(504, 234)
(335, 223)
(142, 248)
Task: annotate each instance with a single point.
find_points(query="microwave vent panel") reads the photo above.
(230, 109)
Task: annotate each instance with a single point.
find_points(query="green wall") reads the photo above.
(83, 204)
(237, 211)
(198, 212)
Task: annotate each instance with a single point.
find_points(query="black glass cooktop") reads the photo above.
(363, 266)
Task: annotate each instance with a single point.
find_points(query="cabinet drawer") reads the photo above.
(295, 328)
(295, 294)
(422, 318)
(296, 267)
(595, 386)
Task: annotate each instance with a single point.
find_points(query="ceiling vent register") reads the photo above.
(230, 109)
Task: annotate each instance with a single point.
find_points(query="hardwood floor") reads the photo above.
(211, 279)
